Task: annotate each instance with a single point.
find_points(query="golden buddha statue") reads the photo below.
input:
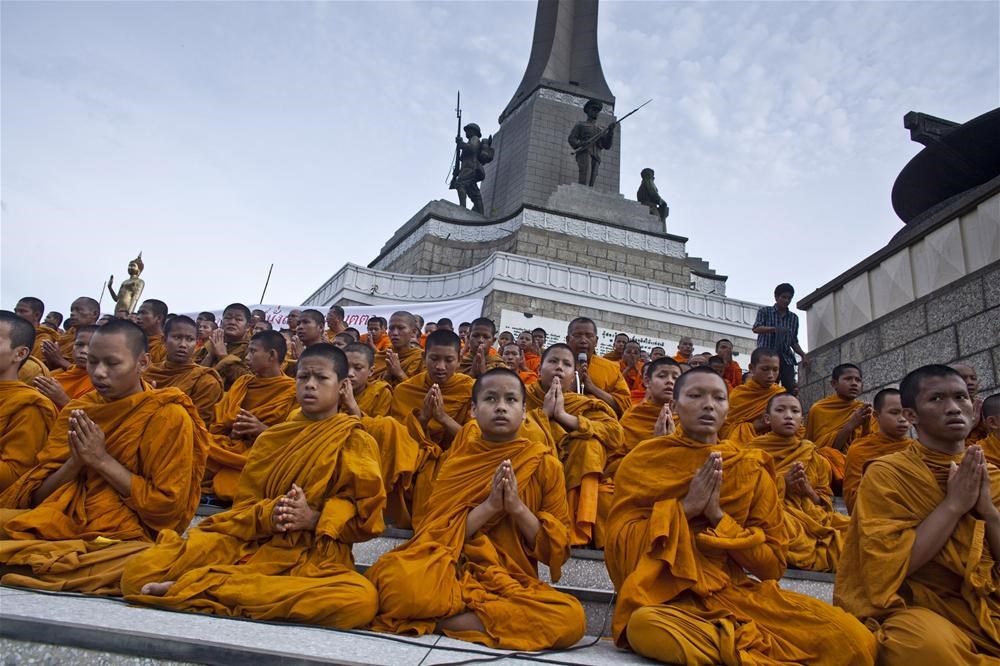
(128, 294)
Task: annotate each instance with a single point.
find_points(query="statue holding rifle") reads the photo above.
(588, 139)
(470, 156)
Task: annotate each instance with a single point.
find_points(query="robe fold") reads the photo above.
(80, 536)
(233, 365)
(376, 399)
(527, 376)
(826, 417)
(732, 374)
(235, 564)
(493, 573)
(608, 378)
(66, 342)
(815, 531)
(398, 456)
(747, 402)
(638, 425)
(74, 380)
(26, 416)
(683, 592)
(381, 343)
(157, 350)
(412, 362)
(991, 448)
(532, 361)
(43, 333)
(947, 611)
(32, 368)
(861, 452)
(270, 399)
(203, 385)
(633, 379)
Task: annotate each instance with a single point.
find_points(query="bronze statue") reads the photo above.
(130, 291)
(649, 195)
(469, 170)
(588, 139)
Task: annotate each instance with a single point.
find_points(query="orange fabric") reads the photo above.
(680, 358)
(528, 377)
(232, 366)
(235, 563)
(827, 416)
(732, 374)
(661, 562)
(609, 378)
(381, 344)
(26, 416)
(638, 424)
(960, 583)
(747, 403)
(532, 361)
(157, 350)
(32, 368)
(66, 342)
(376, 399)
(493, 360)
(991, 448)
(423, 340)
(43, 333)
(633, 379)
(613, 355)
(861, 452)
(442, 572)
(74, 380)
(203, 385)
(398, 456)
(412, 362)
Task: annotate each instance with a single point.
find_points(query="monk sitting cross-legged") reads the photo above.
(748, 401)
(919, 564)
(498, 508)
(651, 417)
(837, 420)
(601, 378)
(226, 349)
(814, 530)
(203, 385)
(893, 435)
(73, 382)
(401, 360)
(310, 489)
(25, 414)
(121, 464)
(692, 516)
(151, 317)
(254, 403)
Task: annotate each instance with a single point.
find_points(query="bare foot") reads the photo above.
(156, 589)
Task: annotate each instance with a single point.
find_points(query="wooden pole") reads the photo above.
(266, 282)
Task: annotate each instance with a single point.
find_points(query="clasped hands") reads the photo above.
(702, 498)
(554, 406)
(503, 497)
(433, 406)
(86, 442)
(247, 426)
(969, 486)
(292, 513)
(797, 483)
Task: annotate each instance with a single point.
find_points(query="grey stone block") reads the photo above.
(996, 365)
(991, 288)
(884, 369)
(979, 332)
(955, 305)
(812, 392)
(984, 366)
(861, 347)
(937, 347)
(903, 327)
(822, 363)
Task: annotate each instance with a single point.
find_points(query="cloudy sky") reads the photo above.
(219, 137)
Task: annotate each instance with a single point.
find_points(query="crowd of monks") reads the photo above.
(701, 482)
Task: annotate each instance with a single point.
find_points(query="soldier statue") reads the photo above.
(588, 139)
(649, 195)
(472, 154)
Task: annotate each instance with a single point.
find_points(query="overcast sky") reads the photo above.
(221, 137)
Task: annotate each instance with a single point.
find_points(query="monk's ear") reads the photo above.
(21, 353)
(767, 419)
(143, 362)
(910, 415)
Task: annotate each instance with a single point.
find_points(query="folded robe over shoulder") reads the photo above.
(608, 378)
(233, 365)
(638, 425)
(32, 367)
(688, 578)
(826, 417)
(862, 451)
(74, 380)
(79, 537)
(991, 448)
(442, 572)
(376, 399)
(815, 531)
(235, 564)
(26, 416)
(157, 350)
(746, 404)
(203, 385)
(412, 362)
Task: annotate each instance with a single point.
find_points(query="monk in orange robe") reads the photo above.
(376, 335)
(72, 383)
(498, 508)
(692, 516)
(401, 360)
(514, 359)
(990, 418)
(84, 311)
(254, 403)
(309, 330)
(617, 347)
(373, 397)
(311, 488)
(335, 322)
(152, 317)
(479, 355)
(685, 350)
(748, 401)
(25, 414)
(814, 530)
(918, 565)
(971, 377)
(178, 369)
(893, 435)
(652, 417)
(529, 350)
(121, 464)
(732, 373)
(226, 349)
(837, 420)
(631, 369)
(32, 310)
(600, 377)
(585, 434)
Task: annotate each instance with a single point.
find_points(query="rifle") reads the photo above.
(597, 138)
(457, 160)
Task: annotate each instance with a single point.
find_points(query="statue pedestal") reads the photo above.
(582, 201)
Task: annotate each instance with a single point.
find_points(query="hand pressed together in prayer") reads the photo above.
(702, 498)
(861, 417)
(216, 344)
(348, 402)
(503, 499)
(393, 368)
(554, 407)
(247, 426)
(797, 483)
(53, 356)
(433, 406)
(479, 361)
(292, 513)
(664, 422)
(86, 440)
(52, 390)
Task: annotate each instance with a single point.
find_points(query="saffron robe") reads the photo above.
(66, 342)
(203, 385)
(683, 591)
(381, 343)
(412, 362)
(442, 572)
(638, 425)
(633, 379)
(376, 399)
(609, 378)
(527, 376)
(861, 452)
(234, 563)
(991, 448)
(493, 360)
(947, 611)
(532, 361)
(74, 380)
(747, 402)
(815, 532)
(680, 358)
(613, 355)
(732, 374)
(156, 348)
(826, 417)
(26, 416)
(584, 454)
(233, 365)
(43, 333)
(80, 536)
(32, 368)
(398, 456)
(270, 399)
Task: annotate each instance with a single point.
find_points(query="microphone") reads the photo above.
(581, 358)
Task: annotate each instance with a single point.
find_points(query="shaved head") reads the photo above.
(135, 338)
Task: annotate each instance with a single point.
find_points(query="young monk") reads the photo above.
(748, 401)
(732, 374)
(178, 369)
(692, 516)
(893, 435)
(310, 489)
(601, 378)
(376, 336)
(685, 350)
(74, 382)
(84, 311)
(121, 464)
(815, 531)
(631, 369)
(54, 320)
(918, 563)
(617, 347)
(531, 352)
(254, 403)
(652, 417)
(837, 420)
(152, 318)
(585, 434)
(374, 398)
(512, 356)
(991, 421)
(32, 310)
(309, 330)
(26, 416)
(498, 508)
(401, 360)
(657, 352)
(971, 378)
(479, 355)
(226, 349)
(505, 338)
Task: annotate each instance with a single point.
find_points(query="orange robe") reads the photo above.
(826, 417)
(638, 425)
(80, 536)
(233, 365)
(412, 362)
(681, 359)
(203, 385)
(66, 342)
(270, 399)
(747, 402)
(633, 379)
(235, 564)
(684, 595)
(381, 343)
(584, 454)
(493, 360)
(609, 378)
(528, 376)
(74, 380)
(945, 612)
(398, 456)
(732, 374)
(862, 451)
(815, 531)
(991, 448)
(613, 355)
(26, 416)
(43, 333)
(157, 350)
(32, 368)
(532, 361)
(376, 399)
(442, 572)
